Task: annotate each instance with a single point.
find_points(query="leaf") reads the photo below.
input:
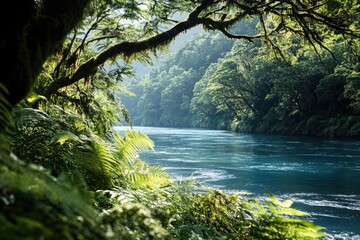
(65, 136)
(104, 156)
(271, 207)
(132, 144)
(274, 200)
(35, 98)
(291, 212)
(287, 203)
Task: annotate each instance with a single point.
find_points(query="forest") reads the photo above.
(262, 66)
(218, 83)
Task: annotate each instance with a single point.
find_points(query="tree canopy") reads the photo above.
(127, 28)
(245, 87)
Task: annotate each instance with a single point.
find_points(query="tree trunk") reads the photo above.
(30, 32)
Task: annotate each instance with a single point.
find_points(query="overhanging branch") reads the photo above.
(287, 11)
(126, 50)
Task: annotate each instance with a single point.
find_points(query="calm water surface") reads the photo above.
(321, 176)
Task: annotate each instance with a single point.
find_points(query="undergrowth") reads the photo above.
(72, 184)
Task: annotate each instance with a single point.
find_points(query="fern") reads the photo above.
(131, 145)
(105, 157)
(140, 175)
(62, 146)
(67, 144)
(130, 168)
(214, 214)
(35, 204)
(143, 201)
(277, 220)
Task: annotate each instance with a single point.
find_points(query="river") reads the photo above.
(321, 176)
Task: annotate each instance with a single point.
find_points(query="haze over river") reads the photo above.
(321, 176)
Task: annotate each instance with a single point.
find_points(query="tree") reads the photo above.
(175, 98)
(241, 83)
(167, 91)
(309, 92)
(36, 30)
(39, 27)
(205, 113)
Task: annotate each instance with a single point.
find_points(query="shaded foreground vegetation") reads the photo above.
(96, 189)
(64, 173)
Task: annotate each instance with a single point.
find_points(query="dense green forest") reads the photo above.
(163, 97)
(217, 83)
(66, 174)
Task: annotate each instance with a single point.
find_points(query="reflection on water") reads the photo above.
(321, 176)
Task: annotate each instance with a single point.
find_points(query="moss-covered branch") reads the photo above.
(276, 17)
(127, 50)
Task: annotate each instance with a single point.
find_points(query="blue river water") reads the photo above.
(321, 176)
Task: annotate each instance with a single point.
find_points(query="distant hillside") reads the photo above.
(213, 82)
(141, 70)
(163, 96)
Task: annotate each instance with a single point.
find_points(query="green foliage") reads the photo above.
(65, 144)
(273, 222)
(138, 201)
(131, 145)
(214, 214)
(133, 221)
(309, 96)
(62, 144)
(205, 112)
(130, 169)
(97, 99)
(248, 90)
(35, 204)
(167, 92)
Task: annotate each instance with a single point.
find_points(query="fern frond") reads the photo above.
(63, 145)
(105, 157)
(141, 175)
(132, 144)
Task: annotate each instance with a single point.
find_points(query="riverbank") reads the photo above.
(320, 175)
